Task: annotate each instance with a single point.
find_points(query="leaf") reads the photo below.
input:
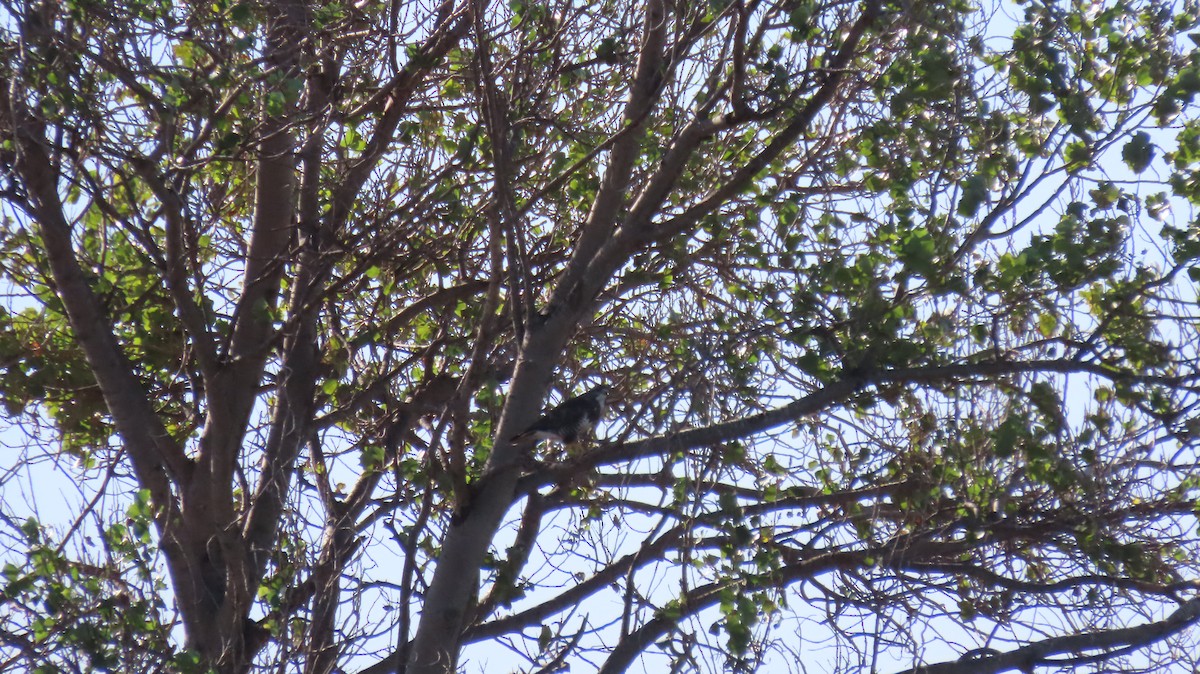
(1006, 436)
(372, 457)
(1104, 196)
(32, 530)
(917, 252)
(1157, 206)
(1047, 324)
(1138, 152)
(974, 192)
(1046, 400)
(1078, 155)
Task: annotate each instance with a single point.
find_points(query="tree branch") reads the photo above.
(830, 394)
(153, 452)
(189, 310)
(644, 92)
(435, 648)
(1111, 643)
(836, 73)
(577, 593)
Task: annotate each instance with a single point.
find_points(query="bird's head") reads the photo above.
(598, 394)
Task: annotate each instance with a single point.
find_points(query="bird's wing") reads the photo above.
(582, 409)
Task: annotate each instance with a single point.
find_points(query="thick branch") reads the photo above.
(390, 106)
(153, 452)
(643, 94)
(234, 390)
(157, 458)
(518, 555)
(836, 73)
(1111, 643)
(292, 417)
(574, 595)
(435, 647)
(831, 394)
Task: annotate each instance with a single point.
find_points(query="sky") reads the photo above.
(53, 488)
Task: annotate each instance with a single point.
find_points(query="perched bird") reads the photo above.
(569, 420)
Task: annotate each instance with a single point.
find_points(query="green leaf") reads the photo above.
(140, 508)
(917, 252)
(1078, 155)
(1046, 400)
(1007, 435)
(974, 192)
(1138, 152)
(32, 530)
(1047, 324)
(371, 457)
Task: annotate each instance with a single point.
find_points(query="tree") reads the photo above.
(896, 301)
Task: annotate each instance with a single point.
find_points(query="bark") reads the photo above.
(837, 73)
(292, 422)
(611, 197)
(157, 459)
(595, 257)
(228, 568)
(455, 582)
(821, 399)
(1109, 643)
(292, 417)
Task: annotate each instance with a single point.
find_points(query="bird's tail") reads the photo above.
(521, 436)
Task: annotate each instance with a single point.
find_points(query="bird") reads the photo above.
(569, 420)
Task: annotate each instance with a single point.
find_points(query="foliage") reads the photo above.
(897, 301)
